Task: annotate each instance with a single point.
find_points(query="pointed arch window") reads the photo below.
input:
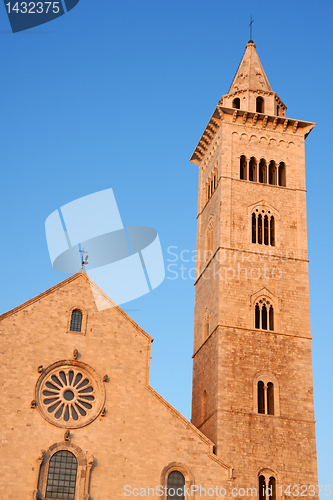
(61, 479)
(76, 321)
(264, 315)
(176, 486)
(263, 227)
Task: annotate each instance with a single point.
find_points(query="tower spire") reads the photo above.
(250, 74)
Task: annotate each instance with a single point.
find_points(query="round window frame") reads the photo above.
(93, 377)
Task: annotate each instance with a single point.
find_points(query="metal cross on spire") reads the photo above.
(84, 258)
(251, 22)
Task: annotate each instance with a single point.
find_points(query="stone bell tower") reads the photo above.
(252, 368)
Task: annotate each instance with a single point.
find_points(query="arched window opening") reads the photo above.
(257, 316)
(176, 486)
(211, 185)
(264, 317)
(76, 321)
(236, 103)
(271, 318)
(243, 168)
(254, 228)
(266, 396)
(204, 406)
(272, 231)
(61, 479)
(272, 488)
(263, 228)
(261, 397)
(253, 170)
(262, 172)
(272, 173)
(260, 229)
(282, 174)
(260, 105)
(262, 488)
(206, 325)
(270, 398)
(266, 230)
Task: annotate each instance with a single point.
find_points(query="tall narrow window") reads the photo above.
(263, 227)
(272, 488)
(253, 170)
(211, 185)
(236, 103)
(266, 230)
(260, 105)
(261, 397)
(257, 316)
(267, 392)
(272, 173)
(204, 408)
(272, 231)
(270, 398)
(175, 488)
(282, 174)
(262, 488)
(271, 318)
(260, 229)
(76, 321)
(243, 168)
(61, 479)
(262, 172)
(254, 228)
(264, 317)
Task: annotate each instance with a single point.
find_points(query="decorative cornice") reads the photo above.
(241, 117)
(207, 137)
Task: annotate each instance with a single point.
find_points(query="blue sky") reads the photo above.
(117, 95)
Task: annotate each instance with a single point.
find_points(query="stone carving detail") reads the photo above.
(70, 394)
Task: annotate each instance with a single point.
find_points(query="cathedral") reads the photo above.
(86, 425)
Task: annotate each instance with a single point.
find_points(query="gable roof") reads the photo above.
(96, 291)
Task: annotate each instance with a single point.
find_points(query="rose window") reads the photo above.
(70, 394)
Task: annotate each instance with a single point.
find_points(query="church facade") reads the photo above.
(79, 420)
